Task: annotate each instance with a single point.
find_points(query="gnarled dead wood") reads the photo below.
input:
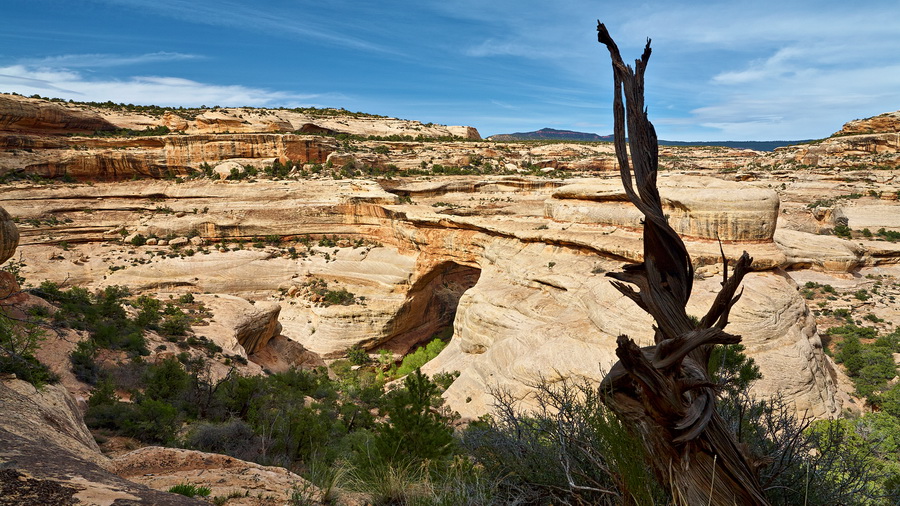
(664, 391)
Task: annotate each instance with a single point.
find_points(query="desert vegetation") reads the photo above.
(349, 434)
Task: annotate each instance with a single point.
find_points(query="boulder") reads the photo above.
(178, 242)
(9, 236)
(223, 170)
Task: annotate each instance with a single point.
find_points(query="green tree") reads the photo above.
(416, 430)
(18, 343)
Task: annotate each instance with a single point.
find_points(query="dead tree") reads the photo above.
(664, 391)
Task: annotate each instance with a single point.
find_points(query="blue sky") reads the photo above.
(720, 70)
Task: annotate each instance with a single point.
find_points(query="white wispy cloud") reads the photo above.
(160, 90)
(493, 47)
(294, 22)
(98, 60)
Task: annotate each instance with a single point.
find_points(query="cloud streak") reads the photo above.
(297, 23)
(105, 60)
(159, 90)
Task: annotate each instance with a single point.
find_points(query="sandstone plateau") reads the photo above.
(507, 243)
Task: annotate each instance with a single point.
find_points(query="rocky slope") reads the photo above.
(49, 457)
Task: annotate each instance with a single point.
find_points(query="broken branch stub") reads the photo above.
(664, 391)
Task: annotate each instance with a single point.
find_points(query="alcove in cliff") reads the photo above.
(431, 305)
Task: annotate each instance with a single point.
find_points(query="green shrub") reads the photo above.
(420, 357)
(101, 314)
(358, 356)
(166, 381)
(842, 230)
(870, 366)
(189, 490)
(415, 431)
(235, 438)
(890, 235)
(338, 297)
(148, 312)
(84, 364)
(175, 322)
(569, 450)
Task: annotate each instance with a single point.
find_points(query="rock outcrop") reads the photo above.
(702, 208)
(248, 483)
(573, 319)
(49, 457)
(30, 115)
(115, 159)
(516, 264)
(9, 236)
(861, 144)
(823, 252)
(888, 122)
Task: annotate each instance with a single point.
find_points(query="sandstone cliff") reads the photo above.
(888, 122)
(30, 115)
(516, 264)
(514, 261)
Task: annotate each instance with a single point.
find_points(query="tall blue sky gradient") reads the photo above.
(720, 70)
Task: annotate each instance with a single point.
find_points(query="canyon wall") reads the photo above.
(522, 282)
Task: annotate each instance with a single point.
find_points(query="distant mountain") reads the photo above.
(551, 134)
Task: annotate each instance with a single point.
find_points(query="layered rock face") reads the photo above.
(883, 123)
(697, 208)
(573, 320)
(112, 159)
(516, 264)
(860, 144)
(29, 143)
(26, 115)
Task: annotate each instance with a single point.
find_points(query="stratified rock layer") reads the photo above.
(524, 287)
(704, 208)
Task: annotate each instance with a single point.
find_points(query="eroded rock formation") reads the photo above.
(516, 262)
(532, 299)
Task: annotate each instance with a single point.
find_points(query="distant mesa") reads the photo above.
(572, 136)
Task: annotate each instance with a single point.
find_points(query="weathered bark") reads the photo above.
(664, 391)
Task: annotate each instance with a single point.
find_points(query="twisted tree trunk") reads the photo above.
(664, 391)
